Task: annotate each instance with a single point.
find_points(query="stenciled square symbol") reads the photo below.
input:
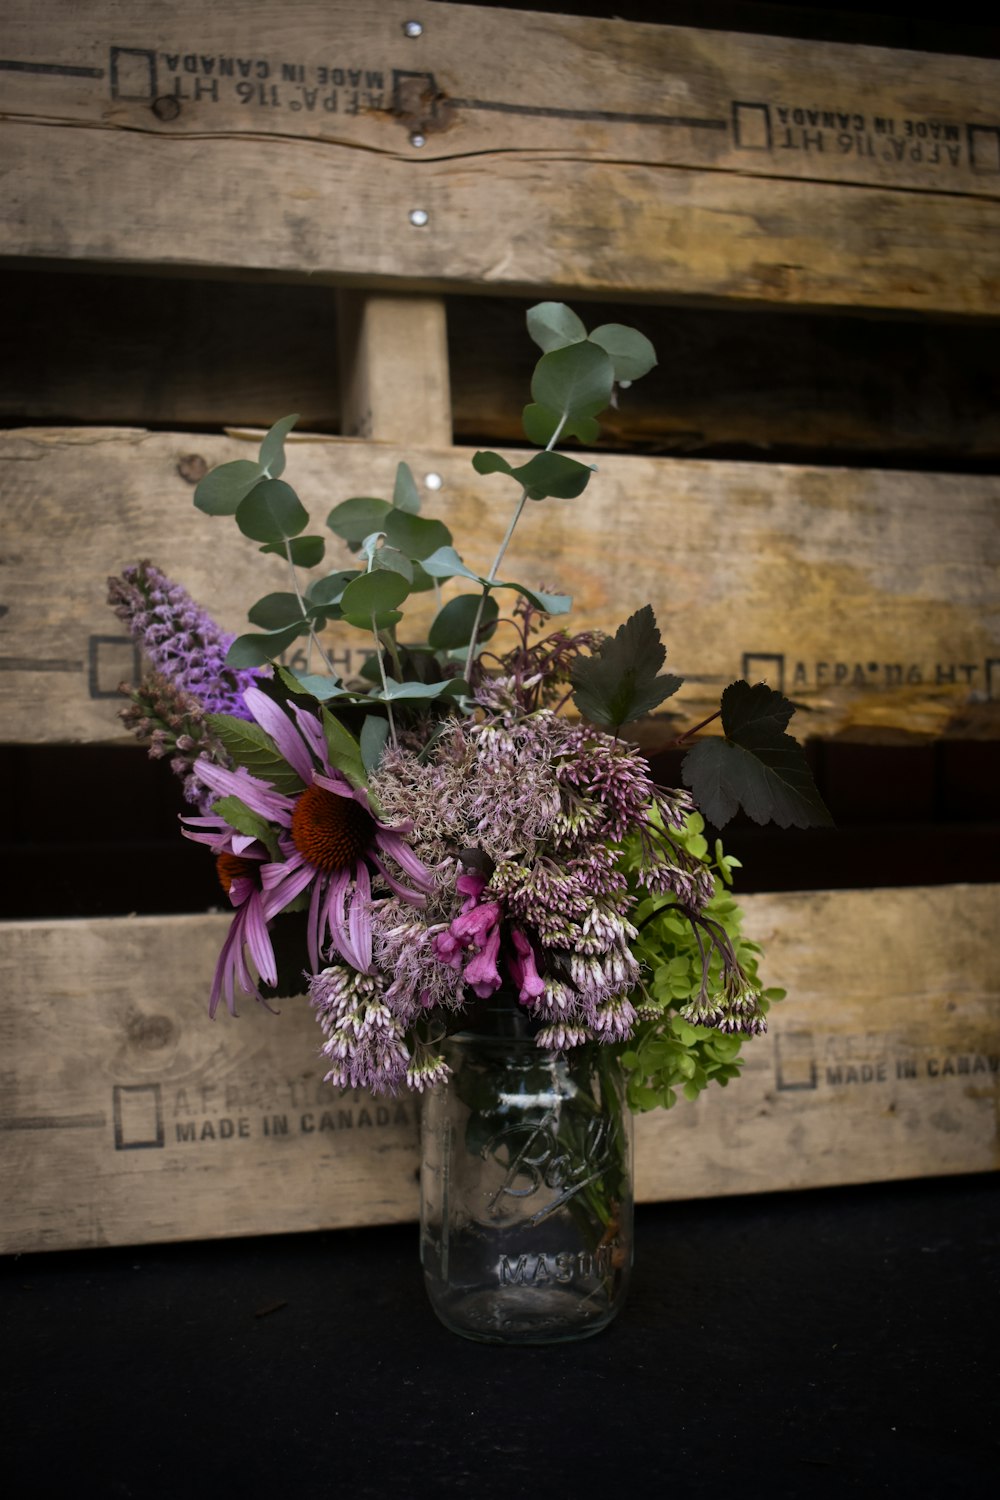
(765, 666)
(133, 73)
(751, 126)
(138, 1111)
(984, 148)
(112, 659)
(794, 1061)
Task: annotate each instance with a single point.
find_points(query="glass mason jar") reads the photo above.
(526, 1188)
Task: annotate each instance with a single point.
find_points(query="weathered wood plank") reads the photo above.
(647, 160)
(129, 1117)
(869, 597)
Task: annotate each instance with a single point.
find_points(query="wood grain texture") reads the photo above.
(394, 368)
(644, 160)
(870, 598)
(129, 1117)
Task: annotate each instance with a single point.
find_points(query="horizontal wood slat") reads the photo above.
(646, 160)
(129, 1117)
(869, 597)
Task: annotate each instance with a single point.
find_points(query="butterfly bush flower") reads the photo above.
(186, 677)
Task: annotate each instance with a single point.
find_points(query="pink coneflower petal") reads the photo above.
(359, 920)
(258, 940)
(275, 722)
(388, 840)
(405, 892)
(259, 796)
(311, 731)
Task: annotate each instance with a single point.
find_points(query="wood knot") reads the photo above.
(192, 467)
(166, 107)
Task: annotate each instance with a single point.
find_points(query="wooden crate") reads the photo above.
(607, 161)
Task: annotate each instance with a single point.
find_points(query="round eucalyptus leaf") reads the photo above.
(272, 512)
(222, 489)
(405, 495)
(374, 594)
(631, 352)
(329, 589)
(576, 381)
(553, 325)
(275, 611)
(416, 536)
(305, 551)
(254, 650)
(394, 560)
(358, 517)
(452, 625)
(272, 449)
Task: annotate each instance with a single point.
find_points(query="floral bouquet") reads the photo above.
(462, 833)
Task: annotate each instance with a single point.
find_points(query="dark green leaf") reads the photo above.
(394, 691)
(272, 512)
(254, 650)
(306, 551)
(452, 626)
(239, 816)
(620, 683)
(405, 495)
(446, 563)
(485, 462)
(329, 589)
(422, 582)
(374, 733)
(575, 382)
(631, 352)
(317, 686)
(376, 593)
(415, 536)
(222, 488)
(553, 325)
(275, 611)
(540, 426)
(343, 750)
(357, 518)
(553, 474)
(272, 449)
(255, 751)
(394, 560)
(757, 767)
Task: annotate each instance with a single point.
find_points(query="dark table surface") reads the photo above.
(797, 1344)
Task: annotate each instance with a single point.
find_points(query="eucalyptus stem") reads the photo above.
(385, 684)
(491, 575)
(314, 639)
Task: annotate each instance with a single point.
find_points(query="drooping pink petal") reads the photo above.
(282, 882)
(312, 732)
(359, 920)
(275, 722)
(259, 796)
(258, 940)
(333, 917)
(413, 867)
(415, 898)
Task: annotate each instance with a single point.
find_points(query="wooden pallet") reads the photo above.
(607, 160)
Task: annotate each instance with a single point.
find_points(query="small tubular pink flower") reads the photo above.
(523, 967)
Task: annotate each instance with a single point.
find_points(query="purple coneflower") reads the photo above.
(239, 862)
(328, 836)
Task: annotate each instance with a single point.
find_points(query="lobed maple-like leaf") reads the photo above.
(757, 766)
(621, 682)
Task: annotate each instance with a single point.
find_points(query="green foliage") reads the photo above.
(453, 624)
(620, 682)
(248, 746)
(667, 1054)
(757, 767)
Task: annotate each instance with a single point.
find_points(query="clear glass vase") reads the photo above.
(526, 1188)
